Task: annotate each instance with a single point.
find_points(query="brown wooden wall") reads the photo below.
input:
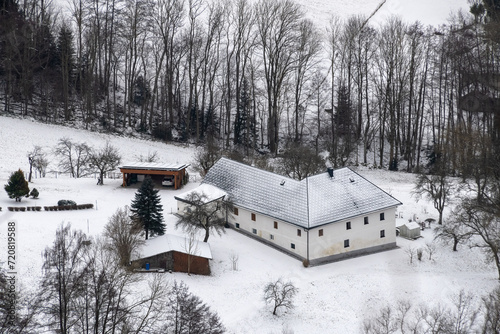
(177, 262)
(199, 265)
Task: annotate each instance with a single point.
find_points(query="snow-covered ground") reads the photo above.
(333, 298)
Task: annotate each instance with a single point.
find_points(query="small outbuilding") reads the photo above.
(410, 230)
(174, 175)
(174, 253)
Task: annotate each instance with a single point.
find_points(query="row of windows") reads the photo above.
(366, 221)
(347, 225)
(347, 243)
(292, 245)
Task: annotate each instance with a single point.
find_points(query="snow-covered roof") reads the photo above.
(331, 199)
(168, 242)
(211, 192)
(154, 166)
(412, 225)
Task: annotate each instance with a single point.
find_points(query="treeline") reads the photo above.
(258, 76)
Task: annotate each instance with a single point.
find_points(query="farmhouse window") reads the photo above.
(254, 231)
(235, 211)
(276, 225)
(292, 245)
(346, 243)
(348, 225)
(299, 232)
(253, 216)
(382, 233)
(366, 220)
(271, 237)
(320, 232)
(382, 216)
(237, 225)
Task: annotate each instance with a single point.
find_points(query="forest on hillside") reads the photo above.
(260, 76)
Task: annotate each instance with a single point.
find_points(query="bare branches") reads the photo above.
(123, 234)
(205, 214)
(280, 294)
(104, 160)
(74, 157)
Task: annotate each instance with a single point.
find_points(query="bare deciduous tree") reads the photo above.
(150, 157)
(278, 26)
(123, 234)
(35, 154)
(482, 218)
(104, 160)
(411, 252)
(431, 248)
(74, 157)
(300, 161)
(207, 156)
(191, 249)
(204, 214)
(436, 188)
(186, 313)
(233, 257)
(62, 279)
(452, 231)
(280, 294)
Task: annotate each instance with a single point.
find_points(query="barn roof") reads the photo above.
(169, 242)
(312, 202)
(412, 225)
(154, 166)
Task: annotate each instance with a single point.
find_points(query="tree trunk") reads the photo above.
(207, 234)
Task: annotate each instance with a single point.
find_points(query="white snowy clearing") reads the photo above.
(332, 298)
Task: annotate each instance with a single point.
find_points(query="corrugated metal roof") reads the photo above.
(154, 166)
(345, 195)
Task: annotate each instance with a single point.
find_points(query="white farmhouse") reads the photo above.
(323, 218)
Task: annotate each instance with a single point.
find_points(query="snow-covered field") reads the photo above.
(333, 298)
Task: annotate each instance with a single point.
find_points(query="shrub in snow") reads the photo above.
(420, 252)
(65, 202)
(34, 193)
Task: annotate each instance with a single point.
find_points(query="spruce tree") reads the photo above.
(147, 210)
(17, 186)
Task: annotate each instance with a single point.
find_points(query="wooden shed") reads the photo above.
(134, 172)
(410, 230)
(174, 253)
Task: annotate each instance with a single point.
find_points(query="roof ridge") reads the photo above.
(256, 168)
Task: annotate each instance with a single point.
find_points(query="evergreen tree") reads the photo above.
(245, 124)
(17, 186)
(147, 210)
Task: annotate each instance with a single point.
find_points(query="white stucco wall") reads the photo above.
(284, 235)
(360, 236)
